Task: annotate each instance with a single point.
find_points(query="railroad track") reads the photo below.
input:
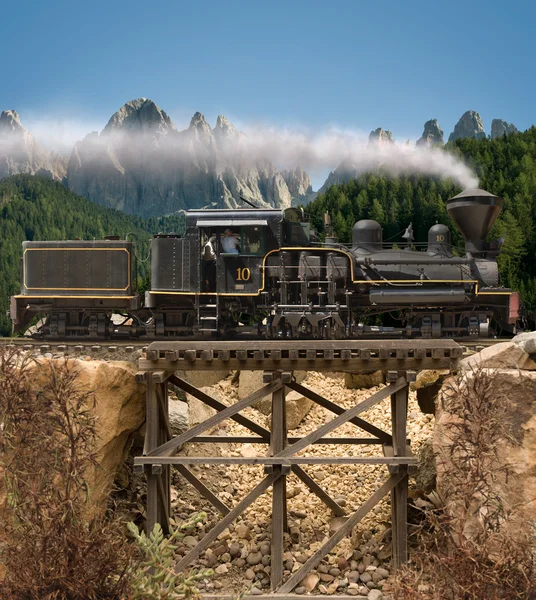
(98, 348)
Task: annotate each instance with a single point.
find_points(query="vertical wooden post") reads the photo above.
(166, 469)
(151, 442)
(399, 495)
(279, 490)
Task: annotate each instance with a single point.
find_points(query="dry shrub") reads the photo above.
(473, 548)
(49, 548)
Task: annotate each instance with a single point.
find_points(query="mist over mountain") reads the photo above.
(142, 164)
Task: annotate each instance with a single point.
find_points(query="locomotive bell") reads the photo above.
(474, 211)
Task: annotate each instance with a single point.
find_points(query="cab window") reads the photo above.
(252, 240)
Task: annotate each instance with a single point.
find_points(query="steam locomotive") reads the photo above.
(274, 280)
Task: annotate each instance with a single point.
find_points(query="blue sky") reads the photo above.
(353, 64)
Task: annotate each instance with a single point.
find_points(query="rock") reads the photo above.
(255, 591)
(309, 582)
(178, 416)
(243, 532)
(526, 341)
(500, 128)
(432, 134)
(427, 385)
(250, 574)
(516, 491)
(251, 381)
(297, 406)
(425, 477)
(507, 355)
(190, 541)
(379, 136)
(202, 379)
(383, 573)
(254, 558)
(469, 126)
(336, 523)
(199, 412)
(119, 412)
(365, 577)
(299, 590)
(142, 165)
(375, 595)
(326, 578)
(221, 569)
(358, 381)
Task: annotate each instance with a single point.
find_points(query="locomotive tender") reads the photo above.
(277, 281)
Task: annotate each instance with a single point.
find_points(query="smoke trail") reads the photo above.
(330, 148)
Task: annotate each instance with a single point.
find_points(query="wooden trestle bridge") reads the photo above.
(401, 360)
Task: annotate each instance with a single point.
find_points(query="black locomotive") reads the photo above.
(261, 272)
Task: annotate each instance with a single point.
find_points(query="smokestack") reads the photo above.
(474, 211)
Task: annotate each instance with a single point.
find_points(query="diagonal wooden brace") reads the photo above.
(217, 405)
(337, 537)
(216, 419)
(338, 410)
(224, 523)
(346, 416)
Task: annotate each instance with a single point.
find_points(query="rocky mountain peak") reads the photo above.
(469, 126)
(199, 127)
(500, 128)
(10, 121)
(380, 136)
(141, 116)
(225, 129)
(432, 134)
(20, 153)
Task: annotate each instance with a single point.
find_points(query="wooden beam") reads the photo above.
(222, 525)
(318, 491)
(338, 536)
(163, 412)
(338, 410)
(245, 439)
(217, 405)
(399, 495)
(279, 497)
(285, 461)
(203, 489)
(216, 419)
(343, 418)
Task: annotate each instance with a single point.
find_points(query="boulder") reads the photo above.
(297, 407)
(526, 341)
(119, 412)
(511, 472)
(203, 378)
(507, 355)
(358, 381)
(251, 381)
(427, 386)
(179, 416)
